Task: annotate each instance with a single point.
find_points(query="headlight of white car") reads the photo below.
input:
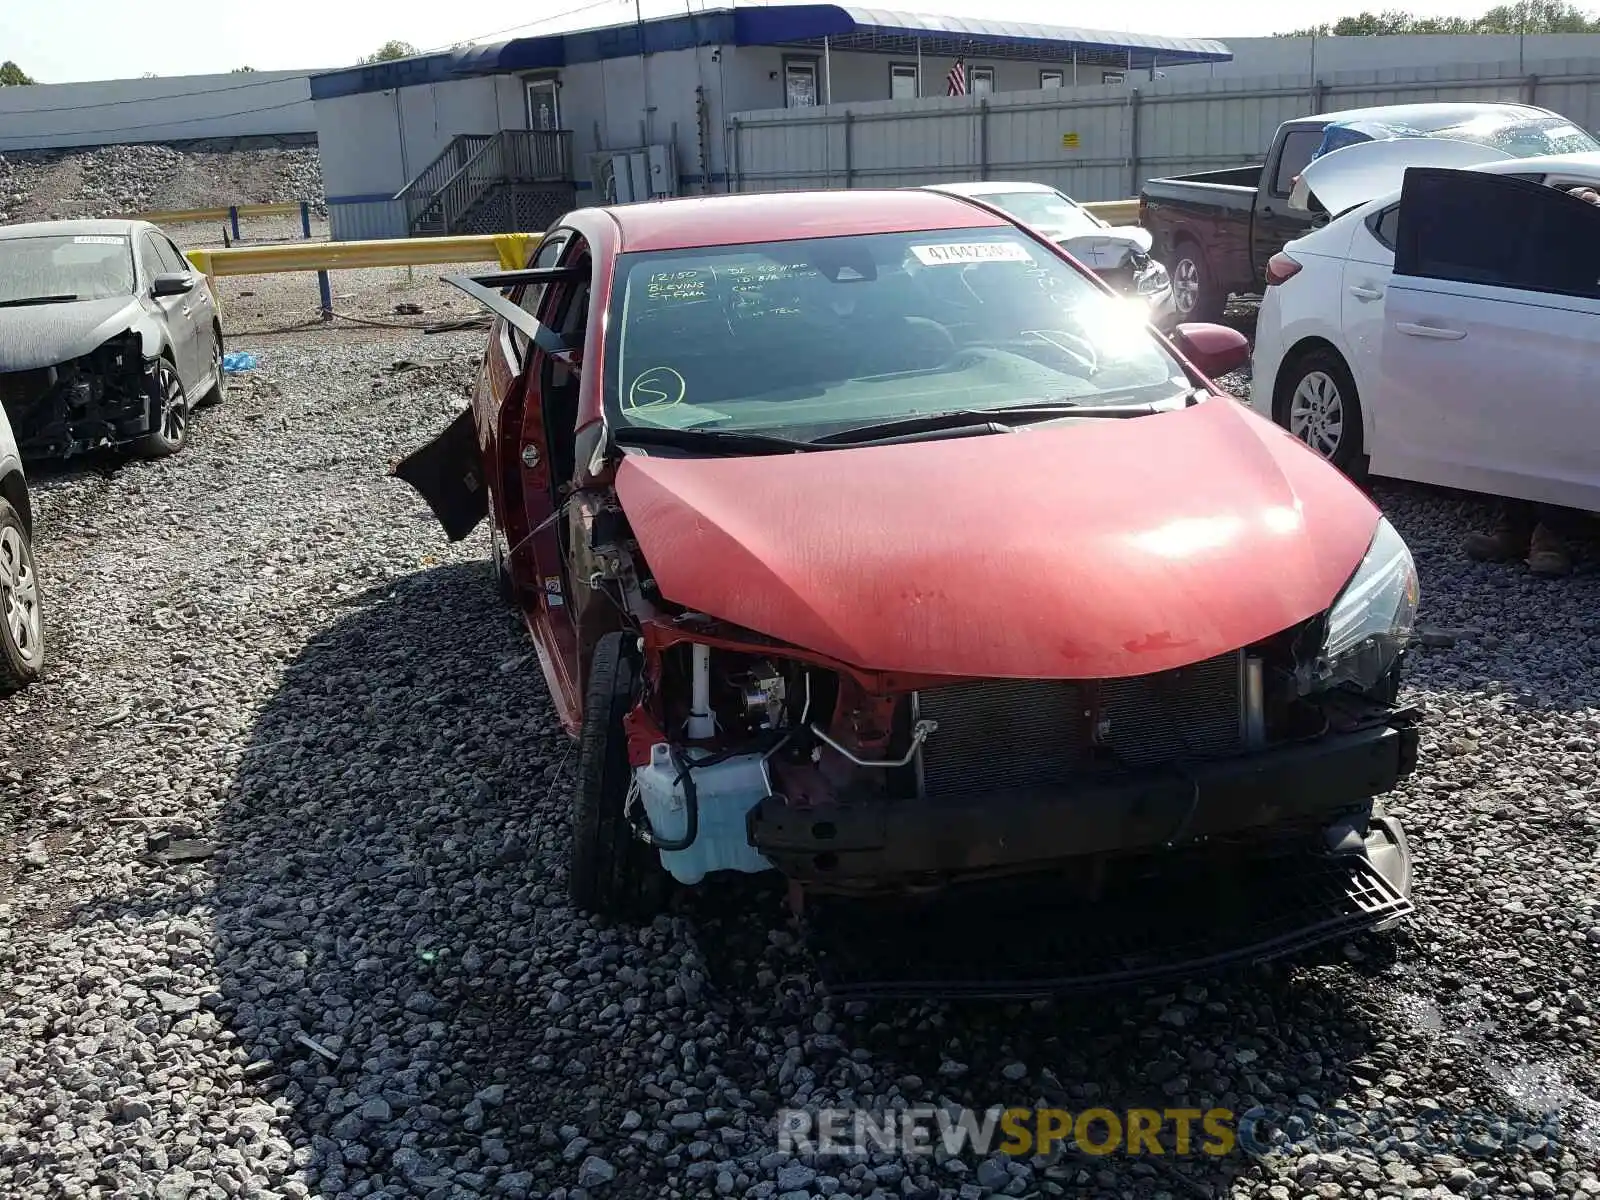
(1153, 280)
(1371, 621)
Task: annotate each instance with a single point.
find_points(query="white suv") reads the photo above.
(21, 619)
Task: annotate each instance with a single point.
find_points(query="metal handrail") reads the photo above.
(511, 156)
(419, 194)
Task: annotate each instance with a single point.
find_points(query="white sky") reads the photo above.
(61, 41)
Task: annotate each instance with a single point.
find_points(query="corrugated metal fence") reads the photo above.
(1102, 143)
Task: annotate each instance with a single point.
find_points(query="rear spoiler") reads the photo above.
(489, 291)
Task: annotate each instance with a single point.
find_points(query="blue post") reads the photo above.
(233, 219)
(327, 295)
(305, 218)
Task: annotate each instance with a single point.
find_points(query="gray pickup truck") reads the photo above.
(1214, 231)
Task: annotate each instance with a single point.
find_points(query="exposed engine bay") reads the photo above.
(103, 398)
(748, 756)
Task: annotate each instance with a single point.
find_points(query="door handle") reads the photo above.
(1431, 331)
(1366, 293)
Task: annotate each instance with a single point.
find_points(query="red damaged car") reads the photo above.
(867, 538)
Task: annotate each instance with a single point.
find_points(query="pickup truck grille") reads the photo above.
(1001, 734)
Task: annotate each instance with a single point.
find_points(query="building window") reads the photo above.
(544, 105)
(981, 80)
(903, 81)
(1113, 77)
(1052, 79)
(799, 83)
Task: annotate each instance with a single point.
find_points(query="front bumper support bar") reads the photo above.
(1258, 797)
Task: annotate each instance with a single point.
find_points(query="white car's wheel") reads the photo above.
(1317, 402)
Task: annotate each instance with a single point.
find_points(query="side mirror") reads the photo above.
(1214, 349)
(172, 283)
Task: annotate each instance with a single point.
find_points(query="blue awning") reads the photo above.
(867, 30)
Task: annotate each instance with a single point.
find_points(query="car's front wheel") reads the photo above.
(500, 563)
(610, 871)
(171, 412)
(21, 608)
(1317, 402)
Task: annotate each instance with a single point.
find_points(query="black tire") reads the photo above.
(500, 564)
(1308, 384)
(214, 396)
(21, 605)
(610, 871)
(172, 412)
(1195, 295)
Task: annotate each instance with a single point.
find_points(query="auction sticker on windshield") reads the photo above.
(971, 252)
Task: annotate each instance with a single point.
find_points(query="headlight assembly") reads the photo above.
(1153, 280)
(1370, 623)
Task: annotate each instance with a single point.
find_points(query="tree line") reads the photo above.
(1521, 17)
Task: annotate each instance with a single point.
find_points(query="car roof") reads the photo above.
(989, 187)
(100, 228)
(740, 218)
(1443, 112)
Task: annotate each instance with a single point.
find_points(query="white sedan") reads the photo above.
(1447, 331)
(1118, 254)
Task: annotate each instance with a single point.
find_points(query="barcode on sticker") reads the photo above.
(97, 239)
(971, 252)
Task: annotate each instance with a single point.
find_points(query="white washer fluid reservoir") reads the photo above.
(724, 792)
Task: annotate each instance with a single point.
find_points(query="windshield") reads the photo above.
(1517, 135)
(65, 266)
(805, 338)
(1047, 211)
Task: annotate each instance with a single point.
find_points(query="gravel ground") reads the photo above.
(266, 659)
(48, 185)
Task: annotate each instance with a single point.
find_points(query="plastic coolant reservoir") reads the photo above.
(725, 792)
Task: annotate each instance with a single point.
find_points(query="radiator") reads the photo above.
(1006, 733)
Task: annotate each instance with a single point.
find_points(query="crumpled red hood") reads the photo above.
(1093, 550)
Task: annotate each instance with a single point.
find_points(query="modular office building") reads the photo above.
(509, 136)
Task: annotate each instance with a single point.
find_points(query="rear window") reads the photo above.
(1298, 147)
(1383, 225)
(1046, 211)
(65, 266)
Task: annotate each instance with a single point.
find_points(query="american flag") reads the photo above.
(956, 81)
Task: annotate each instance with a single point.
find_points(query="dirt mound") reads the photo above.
(112, 180)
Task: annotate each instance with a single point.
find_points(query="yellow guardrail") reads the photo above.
(510, 250)
(227, 212)
(1116, 212)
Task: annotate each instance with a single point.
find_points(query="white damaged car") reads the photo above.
(1118, 254)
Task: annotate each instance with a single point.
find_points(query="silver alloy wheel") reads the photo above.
(19, 595)
(1185, 285)
(174, 412)
(1316, 413)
